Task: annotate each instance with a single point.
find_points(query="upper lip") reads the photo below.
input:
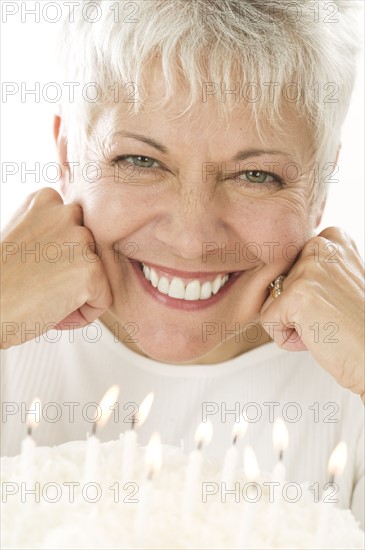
(185, 274)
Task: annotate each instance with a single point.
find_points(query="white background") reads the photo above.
(28, 56)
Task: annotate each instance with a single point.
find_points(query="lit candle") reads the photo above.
(153, 460)
(281, 440)
(252, 473)
(28, 443)
(203, 435)
(231, 458)
(130, 438)
(93, 442)
(336, 466)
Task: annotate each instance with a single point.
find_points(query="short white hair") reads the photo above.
(283, 48)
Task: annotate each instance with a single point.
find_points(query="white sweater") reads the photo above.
(266, 382)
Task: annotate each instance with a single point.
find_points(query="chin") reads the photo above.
(177, 348)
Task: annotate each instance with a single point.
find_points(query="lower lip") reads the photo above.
(186, 305)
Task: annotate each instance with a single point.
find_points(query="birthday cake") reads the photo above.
(49, 501)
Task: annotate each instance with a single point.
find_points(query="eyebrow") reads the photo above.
(241, 155)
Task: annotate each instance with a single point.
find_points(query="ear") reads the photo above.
(320, 208)
(61, 145)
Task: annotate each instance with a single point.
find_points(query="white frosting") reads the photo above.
(110, 524)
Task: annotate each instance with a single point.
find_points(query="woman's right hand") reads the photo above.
(51, 275)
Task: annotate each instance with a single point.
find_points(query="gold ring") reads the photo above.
(276, 287)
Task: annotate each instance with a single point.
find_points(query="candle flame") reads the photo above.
(204, 434)
(239, 428)
(280, 435)
(106, 403)
(338, 459)
(251, 466)
(33, 418)
(154, 455)
(144, 409)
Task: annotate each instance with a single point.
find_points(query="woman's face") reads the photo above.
(198, 204)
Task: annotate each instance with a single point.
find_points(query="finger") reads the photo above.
(287, 337)
(270, 299)
(101, 299)
(38, 197)
(286, 334)
(45, 196)
(80, 318)
(73, 321)
(338, 235)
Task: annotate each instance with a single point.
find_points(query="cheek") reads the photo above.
(112, 212)
(271, 230)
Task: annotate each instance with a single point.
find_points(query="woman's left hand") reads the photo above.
(321, 307)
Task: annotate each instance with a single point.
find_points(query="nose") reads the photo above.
(191, 220)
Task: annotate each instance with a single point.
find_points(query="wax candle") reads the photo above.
(130, 438)
(91, 468)
(129, 454)
(231, 457)
(28, 443)
(252, 474)
(153, 460)
(203, 435)
(281, 441)
(336, 466)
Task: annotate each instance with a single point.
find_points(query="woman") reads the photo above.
(183, 257)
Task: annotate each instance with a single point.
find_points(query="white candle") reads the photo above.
(28, 446)
(281, 441)
(192, 489)
(231, 457)
(278, 473)
(91, 468)
(336, 465)
(230, 465)
(192, 480)
(129, 455)
(142, 527)
(28, 443)
(130, 438)
(252, 473)
(91, 472)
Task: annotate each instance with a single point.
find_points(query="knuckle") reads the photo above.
(336, 234)
(84, 234)
(46, 195)
(81, 239)
(299, 289)
(74, 211)
(308, 248)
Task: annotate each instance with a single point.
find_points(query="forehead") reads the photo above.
(202, 129)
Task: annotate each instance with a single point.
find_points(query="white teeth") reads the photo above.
(216, 284)
(224, 280)
(147, 272)
(192, 291)
(154, 277)
(176, 287)
(163, 285)
(206, 291)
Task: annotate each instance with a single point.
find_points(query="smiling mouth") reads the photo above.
(187, 289)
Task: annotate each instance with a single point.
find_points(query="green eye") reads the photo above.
(256, 176)
(142, 162)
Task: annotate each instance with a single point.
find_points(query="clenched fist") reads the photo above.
(51, 275)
